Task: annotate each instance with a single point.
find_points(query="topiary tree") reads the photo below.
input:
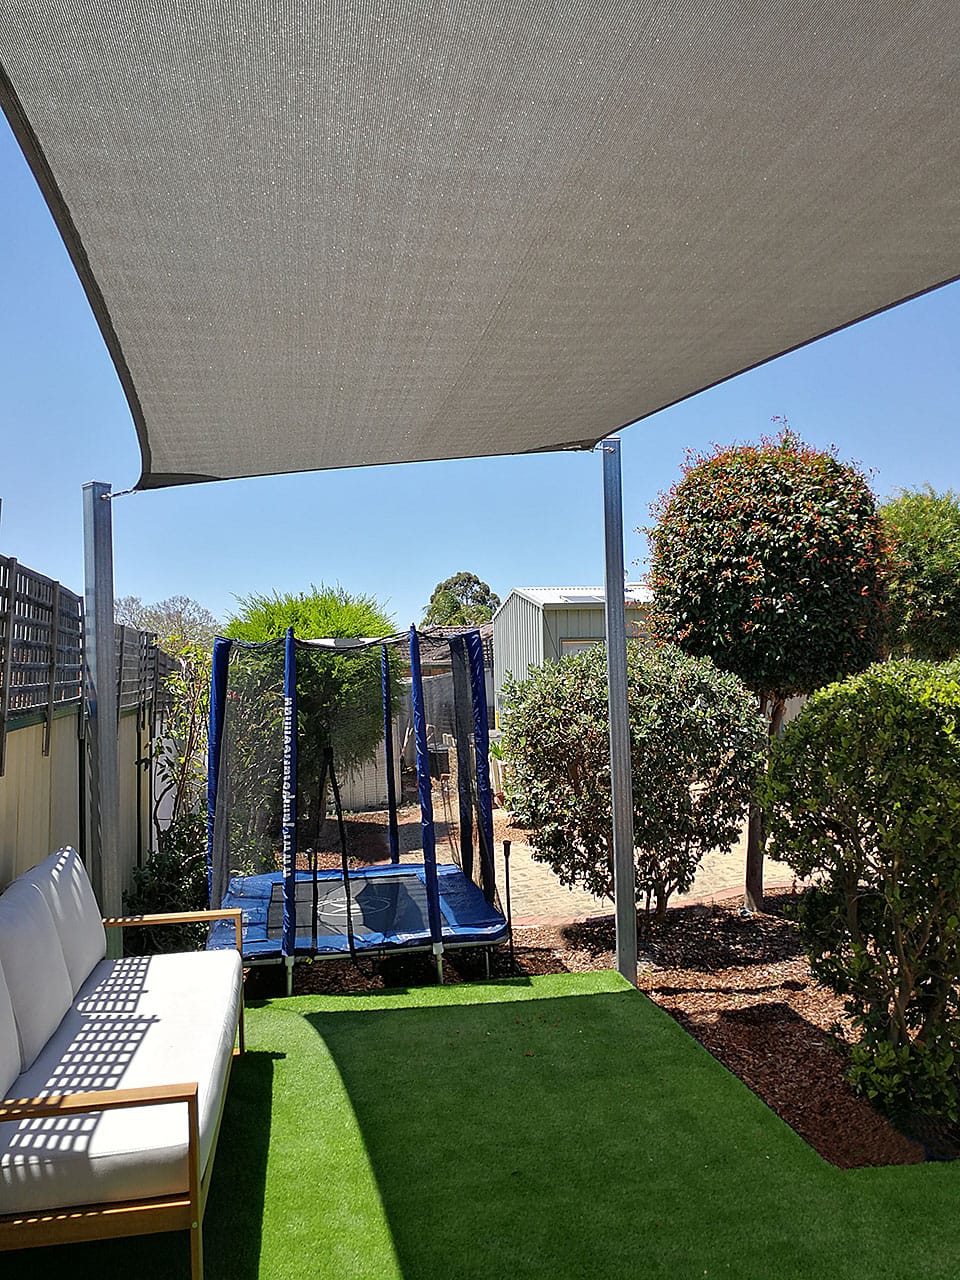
(696, 743)
(863, 794)
(461, 601)
(923, 530)
(339, 697)
(767, 558)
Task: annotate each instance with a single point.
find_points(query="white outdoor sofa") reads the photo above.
(114, 1071)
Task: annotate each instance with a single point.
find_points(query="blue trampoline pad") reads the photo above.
(387, 906)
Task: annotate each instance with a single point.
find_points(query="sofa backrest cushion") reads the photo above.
(32, 962)
(63, 881)
(9, 1042)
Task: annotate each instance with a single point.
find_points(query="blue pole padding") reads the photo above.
(218, 699)
(388, 753)
(424, 792)
(289, 935)
(481, 744)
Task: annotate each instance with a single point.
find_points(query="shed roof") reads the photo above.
(578, 597)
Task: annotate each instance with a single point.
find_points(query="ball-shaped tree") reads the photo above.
(768, 558)
(863, 795)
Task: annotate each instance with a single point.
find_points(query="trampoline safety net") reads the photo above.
(349, 803)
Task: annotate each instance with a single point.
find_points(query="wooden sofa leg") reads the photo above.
(196, 1252)
(196, 1193)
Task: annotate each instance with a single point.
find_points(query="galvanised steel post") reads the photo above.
(100, 662)
(624, 876)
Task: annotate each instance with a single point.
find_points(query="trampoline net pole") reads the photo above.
(426, 799)
(394, 829)
(289, 830)
(462, 703)
(218, 697)
(246, 770)
(481, 738)
(344, 857)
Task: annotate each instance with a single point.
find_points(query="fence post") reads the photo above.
(100, 656)
(52, 673)
(10, 622)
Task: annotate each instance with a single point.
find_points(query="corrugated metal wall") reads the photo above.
(526, 634)
(39, 795)
(561, 622)
(565, 623)
(40, 694)
(517, 641)
(366, 788)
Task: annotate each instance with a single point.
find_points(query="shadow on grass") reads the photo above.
(798, 1068)
(232, 1223)
(527, 1137)
(589, 1135)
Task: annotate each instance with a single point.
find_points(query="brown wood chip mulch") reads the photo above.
(741, 986)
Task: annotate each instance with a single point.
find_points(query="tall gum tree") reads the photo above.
(461, 601)
(769, 559)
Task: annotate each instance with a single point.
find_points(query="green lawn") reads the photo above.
(546, 1127)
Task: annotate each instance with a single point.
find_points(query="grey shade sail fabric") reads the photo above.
(369, 231)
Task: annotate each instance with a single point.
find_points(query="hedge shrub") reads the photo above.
(697, 742)
(863, 794)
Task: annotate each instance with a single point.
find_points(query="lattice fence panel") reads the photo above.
(41, 653)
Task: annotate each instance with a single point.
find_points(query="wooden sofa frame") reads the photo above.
(182, 1212)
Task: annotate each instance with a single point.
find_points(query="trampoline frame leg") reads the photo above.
(438, 952)
(288, 965)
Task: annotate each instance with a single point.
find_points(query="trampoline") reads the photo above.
(388, 906)
(289, 720)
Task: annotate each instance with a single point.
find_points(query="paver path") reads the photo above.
(538, 897)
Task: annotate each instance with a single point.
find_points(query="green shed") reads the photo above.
(540, 624)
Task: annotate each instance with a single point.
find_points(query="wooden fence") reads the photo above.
(43, 791)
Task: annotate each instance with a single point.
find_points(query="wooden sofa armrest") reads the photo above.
(65, 1104)
(51, 1230)
(182, 917)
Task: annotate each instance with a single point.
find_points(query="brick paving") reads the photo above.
(538, 898)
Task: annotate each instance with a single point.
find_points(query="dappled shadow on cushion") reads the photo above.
(234, 1216)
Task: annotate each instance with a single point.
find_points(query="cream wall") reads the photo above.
(40, 795)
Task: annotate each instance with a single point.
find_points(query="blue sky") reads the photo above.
(885, 392)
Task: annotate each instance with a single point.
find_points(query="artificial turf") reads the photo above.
(546, 1127)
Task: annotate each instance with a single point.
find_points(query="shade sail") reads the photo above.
(339, 233)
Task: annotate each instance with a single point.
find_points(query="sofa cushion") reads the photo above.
(167, 1019)
(32, 962)
(63, 881)
(9, 1043)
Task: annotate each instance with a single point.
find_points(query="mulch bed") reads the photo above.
(743, 988)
